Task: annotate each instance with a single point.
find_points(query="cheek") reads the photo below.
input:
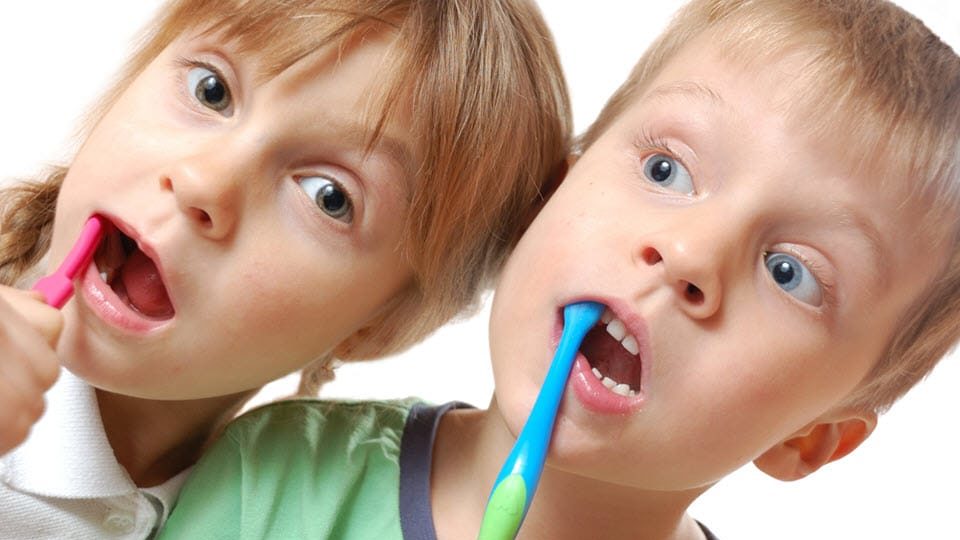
(269, 330)
(787, 384)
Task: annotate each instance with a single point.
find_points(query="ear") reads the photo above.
(818, 443)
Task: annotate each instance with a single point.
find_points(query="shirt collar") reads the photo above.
(168, 491)
(67, 454)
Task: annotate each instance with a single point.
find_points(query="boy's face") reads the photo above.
(755, 279)
(266, 234)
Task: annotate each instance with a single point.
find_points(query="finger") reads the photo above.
(46, 320)
(22, 345)
(27, 364)
(16, 417)
(13, 434)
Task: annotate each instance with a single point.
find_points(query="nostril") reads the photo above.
(201, 216)
(651, 256)
(693, 294)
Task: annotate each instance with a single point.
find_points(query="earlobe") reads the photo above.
(817, 444)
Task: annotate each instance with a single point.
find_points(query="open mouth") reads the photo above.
(614, 355)
(132, 275)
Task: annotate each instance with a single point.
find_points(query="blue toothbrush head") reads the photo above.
(581, 317)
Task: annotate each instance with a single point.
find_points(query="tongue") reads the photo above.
(144, 287)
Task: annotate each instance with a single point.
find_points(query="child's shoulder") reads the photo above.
(314, 425)
(338, 459)
(327, 408)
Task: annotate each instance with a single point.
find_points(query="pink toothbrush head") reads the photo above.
(58, 286)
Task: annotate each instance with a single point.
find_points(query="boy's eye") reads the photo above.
(209, 89)
(665, 171)
(329, 196)
(793, 277)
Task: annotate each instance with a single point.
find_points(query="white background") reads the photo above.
(57, 56)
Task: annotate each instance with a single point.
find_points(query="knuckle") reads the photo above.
(49, 322)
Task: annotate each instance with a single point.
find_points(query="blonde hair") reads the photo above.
(490, 113)
(877, 73)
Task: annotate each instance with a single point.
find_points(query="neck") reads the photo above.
(154, 440)
(468, 454)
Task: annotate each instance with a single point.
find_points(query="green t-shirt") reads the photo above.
(316, 470)
(299, 469)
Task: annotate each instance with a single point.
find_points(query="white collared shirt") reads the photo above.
(65, 482)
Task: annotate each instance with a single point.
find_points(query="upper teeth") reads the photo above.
(618, 330)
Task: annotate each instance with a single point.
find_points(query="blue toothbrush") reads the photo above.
(513, 491)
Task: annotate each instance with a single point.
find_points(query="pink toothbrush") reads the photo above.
(58, 286)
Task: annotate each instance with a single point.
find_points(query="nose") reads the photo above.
(690, 268)
(208, 191)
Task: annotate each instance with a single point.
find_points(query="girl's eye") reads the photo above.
(665, 171)
(329, 196)
(793, 277)
(209, 89)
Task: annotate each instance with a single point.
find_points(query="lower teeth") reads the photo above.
(622, 389)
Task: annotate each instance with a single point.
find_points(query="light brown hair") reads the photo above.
(893, 87)
(490, 112)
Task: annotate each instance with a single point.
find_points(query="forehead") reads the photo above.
(290, 40)
(870, 125)
(350, 85)
(794, 105)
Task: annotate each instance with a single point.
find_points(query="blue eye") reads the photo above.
(793, 277)
(329, 196)
(665, 171)
(208, 87)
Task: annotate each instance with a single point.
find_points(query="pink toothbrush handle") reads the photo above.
(58, 286)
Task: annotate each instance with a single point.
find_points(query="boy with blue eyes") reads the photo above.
(768, 209)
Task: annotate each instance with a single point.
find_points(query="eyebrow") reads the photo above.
(392, 148)
(396, 151)
(686, 89)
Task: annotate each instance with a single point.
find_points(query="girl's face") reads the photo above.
(253, 231)
(748, 273)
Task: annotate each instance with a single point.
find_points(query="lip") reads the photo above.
(585, 387)
(101, 299)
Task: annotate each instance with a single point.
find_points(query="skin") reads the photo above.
(736, 368)
(28, 367)
(263, 281)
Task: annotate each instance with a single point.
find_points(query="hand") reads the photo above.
(29, 330)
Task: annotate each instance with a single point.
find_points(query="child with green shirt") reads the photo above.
(768, 209)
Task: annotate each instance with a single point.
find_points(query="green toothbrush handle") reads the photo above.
(505, 508)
